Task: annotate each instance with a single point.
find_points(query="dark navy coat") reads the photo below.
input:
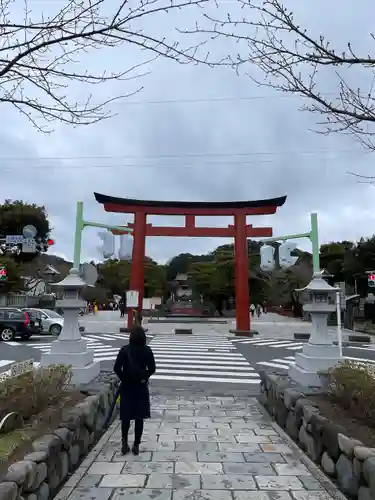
(134, 394)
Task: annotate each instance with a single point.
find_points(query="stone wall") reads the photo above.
(346, 460)
(56, 454)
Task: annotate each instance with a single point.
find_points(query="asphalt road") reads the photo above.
(210, 357)
(278, 355)
(188, 361)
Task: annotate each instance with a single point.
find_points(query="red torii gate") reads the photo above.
(240, 231)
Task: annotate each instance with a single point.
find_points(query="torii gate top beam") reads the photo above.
(197, 208)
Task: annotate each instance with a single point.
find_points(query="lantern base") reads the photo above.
(314, 359)
(75, 354)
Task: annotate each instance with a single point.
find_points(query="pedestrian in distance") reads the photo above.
(122, 309)
(252, 309)
(134, 366)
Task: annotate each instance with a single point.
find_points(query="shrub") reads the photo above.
(32, 392)
(352, 386)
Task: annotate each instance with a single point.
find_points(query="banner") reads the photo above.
(126, 247)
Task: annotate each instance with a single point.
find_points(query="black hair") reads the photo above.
(137, 336)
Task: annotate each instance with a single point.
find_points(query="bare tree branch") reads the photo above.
(39, 57)
(293, 61)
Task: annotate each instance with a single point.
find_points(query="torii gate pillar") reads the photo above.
(241, 262)
(138, 257)
(240, 231)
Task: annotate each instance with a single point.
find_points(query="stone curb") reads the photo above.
(326, 483)
(74, 479)
(56, 455)
(346, 460)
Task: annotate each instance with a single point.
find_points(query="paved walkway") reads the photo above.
(198, 447)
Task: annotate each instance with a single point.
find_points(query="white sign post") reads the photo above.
(338, 313)
(132, 298)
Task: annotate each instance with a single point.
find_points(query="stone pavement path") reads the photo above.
(198, 447)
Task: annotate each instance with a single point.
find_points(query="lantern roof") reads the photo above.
(72, 280)
(318, 284)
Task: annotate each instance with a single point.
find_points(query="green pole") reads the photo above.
(78, 235)
(314, 237)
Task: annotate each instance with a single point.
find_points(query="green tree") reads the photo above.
(95, 293)
(358, 260)
(215, 278)
(14, 282)
(114, 276)
(15, 215)
(180, 264)
(155, 279)
(332, 258)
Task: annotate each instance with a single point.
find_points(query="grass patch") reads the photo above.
(352, 386)
(11, 441)
(39, 398)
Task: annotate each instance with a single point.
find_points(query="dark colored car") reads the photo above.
(15, 323)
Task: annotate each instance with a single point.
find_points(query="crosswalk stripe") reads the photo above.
(200, 344)
(207, 379)
(207, 360)
(187, 360)
(287, 362)
(290, 345)
(273, 365)
(193, 350)
(238, 368)
(208, 372)
(192, 357)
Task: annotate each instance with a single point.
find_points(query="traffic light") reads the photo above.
(285, 258)
(3, 273)
(108, 246)
(126, 247)
(371, 280)
(42, 244)
(267, 259)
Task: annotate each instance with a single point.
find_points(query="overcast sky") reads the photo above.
(195, 133)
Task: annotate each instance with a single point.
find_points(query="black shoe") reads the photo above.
(124, 449)
(135, 449)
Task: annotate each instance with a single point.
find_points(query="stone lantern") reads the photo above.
(319, 354)
(70, 348)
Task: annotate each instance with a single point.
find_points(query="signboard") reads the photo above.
(22, 367)
(14, 239)
(131, 298)
(29, 245)
(17, 369)
(147, 304)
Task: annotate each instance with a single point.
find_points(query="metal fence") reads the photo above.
(19, 300)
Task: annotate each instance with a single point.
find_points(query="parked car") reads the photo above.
(15, 323)
(52, 322)
(36, 319)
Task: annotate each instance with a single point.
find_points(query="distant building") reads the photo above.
(182, 287)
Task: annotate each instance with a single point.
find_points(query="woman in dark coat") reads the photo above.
(134, 366)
